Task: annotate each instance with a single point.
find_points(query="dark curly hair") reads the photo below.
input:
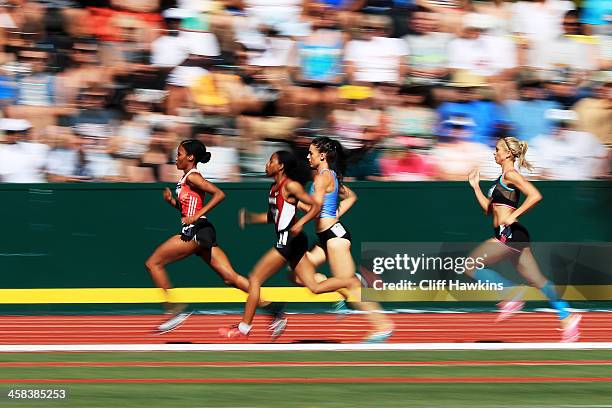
(292, 167)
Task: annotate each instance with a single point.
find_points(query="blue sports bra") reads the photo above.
(329, 209)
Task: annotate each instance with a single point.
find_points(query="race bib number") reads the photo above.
(282, 239)
(338, 230)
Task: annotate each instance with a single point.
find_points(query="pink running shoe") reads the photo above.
(507, 308)
(232, 333)
(571, 332)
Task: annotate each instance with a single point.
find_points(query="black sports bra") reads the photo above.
(501, 194)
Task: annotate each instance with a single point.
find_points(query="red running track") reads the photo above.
(410, 328)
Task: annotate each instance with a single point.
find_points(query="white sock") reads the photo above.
(244, 328)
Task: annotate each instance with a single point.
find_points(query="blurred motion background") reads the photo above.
(413, 89)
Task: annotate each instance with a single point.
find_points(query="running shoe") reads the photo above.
(508, 308)
(278, 325)
(341, 309)
(232, 333)
(571, 332)
(173, 322)
(378, 337)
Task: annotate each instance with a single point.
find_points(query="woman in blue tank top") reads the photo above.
(326, 157)
(511, 239)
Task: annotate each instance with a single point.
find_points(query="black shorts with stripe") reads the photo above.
(292, 248)
(514, 236)
(202, 231)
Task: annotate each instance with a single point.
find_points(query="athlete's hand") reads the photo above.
(295, 230)
(474, 178)
(242, 218)
(508, 221)
(168, 195)
(189, 220)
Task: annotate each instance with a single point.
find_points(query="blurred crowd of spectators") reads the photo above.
(413, 89)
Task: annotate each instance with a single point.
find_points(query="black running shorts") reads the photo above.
(202, 231)
(335, 231)
(292, 248)
(514, 236)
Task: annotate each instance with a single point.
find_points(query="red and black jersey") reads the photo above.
(190, 201)
(281, 211)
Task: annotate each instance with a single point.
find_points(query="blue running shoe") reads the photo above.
(341, 309)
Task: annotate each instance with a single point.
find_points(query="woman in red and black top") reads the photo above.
(291, 242)
(198, 235)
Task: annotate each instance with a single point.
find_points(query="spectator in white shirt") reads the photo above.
(375, 58)
(175, 46)
(479, 52)
(539, 21)
(169, 50)
(568, 154)
(225, 166)
(21, 160)
(203, 47)
(571, 49)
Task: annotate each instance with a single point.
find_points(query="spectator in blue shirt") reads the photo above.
(596, 13)
(468, 103)
(528, 114)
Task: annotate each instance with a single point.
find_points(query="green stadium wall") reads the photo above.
(99, 235)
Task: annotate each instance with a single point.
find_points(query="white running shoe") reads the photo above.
(174, 322)
(278, 325)
(378, 337)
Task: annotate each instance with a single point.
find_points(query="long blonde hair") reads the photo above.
(518, 148)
